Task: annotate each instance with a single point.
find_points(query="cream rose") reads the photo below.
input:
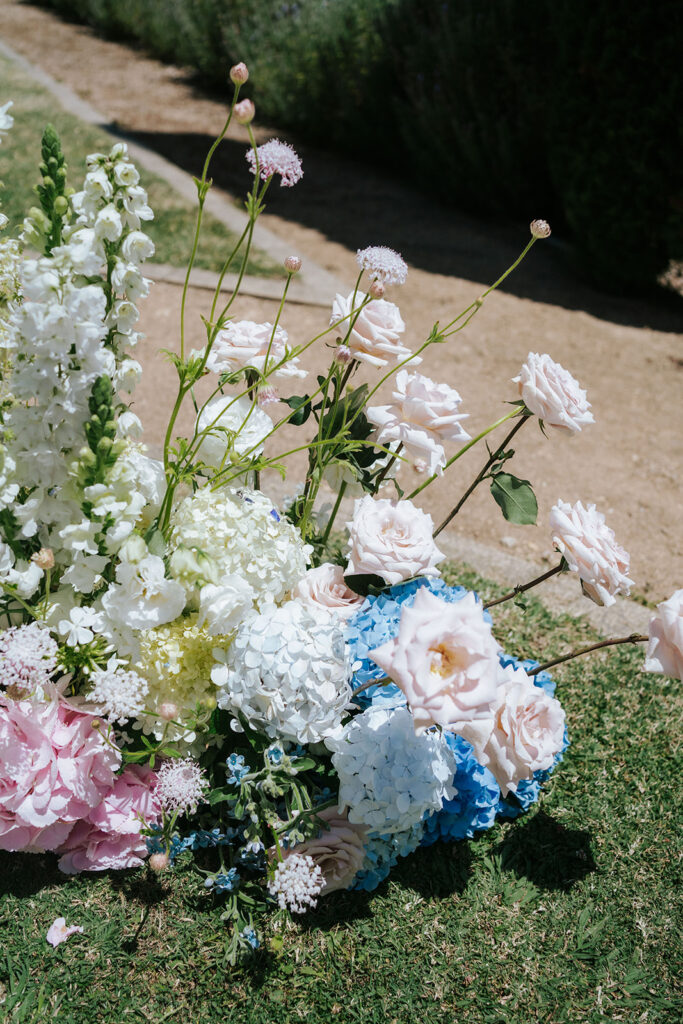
(376, 331)
(665, 648)
(527, 731)
(590, 549)
(392, 539)
(444, 659)
(552, 394)
(338, 850)
(422, 415)
(323, 588)
(245, 343)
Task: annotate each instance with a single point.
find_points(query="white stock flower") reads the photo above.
(245, 343)
(287, 673)
(665, 647)
(142, 597)
(108, 224)
(421, 416)
(223, 608)
(590, 548)
(137, 247)
(375, 337)
(234, 430)
(391, 539)
(389, 776)
(552, 394)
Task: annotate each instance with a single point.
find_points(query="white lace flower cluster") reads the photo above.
(181, 786)
(215, 534)
(388, 776)
(287, 673)
(118, 694)
(297, 883)
(28, 657)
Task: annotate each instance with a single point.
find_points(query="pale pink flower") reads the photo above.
(421, 416)
(54, 769)
(292, 264)
(324, 589)
(275, 157)
(392, 539)
(552, 394)
(590, 548)
(526, 731)
(540, 228)
(375, 337)
(244, 112)
(383, 264)
(246, 344)
(110, 837)
(268, 396)
(338, 850)
(181, 785)
(239, 73)
(60, 931)
(444, 659)
(665, 648)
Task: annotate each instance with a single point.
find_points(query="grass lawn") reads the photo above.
(173, 226)
(571, 914)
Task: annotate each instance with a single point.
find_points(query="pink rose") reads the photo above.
(665, 649)
(392, 539)
(590, 548)
(246, 343)
(110, 837)
(376, 331)
(54, 769)
(444, 659)
(337, 851)
(527, 731)
(423, 414)
(324, 588)
(552, 394)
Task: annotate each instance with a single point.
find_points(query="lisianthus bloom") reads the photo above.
(246, 344)
(665, 647)
(444, 659)
(421, 416)
(375, 336)
(338, 850)
(323, 588)
(590, 548)
(392, 539)
(552, 394)
(142, 597)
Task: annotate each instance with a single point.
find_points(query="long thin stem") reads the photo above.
(527, 586)
(633, 638)
(333, 515)
(482, 473)
(387, 467)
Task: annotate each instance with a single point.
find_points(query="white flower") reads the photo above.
(6, 119)
(296, 883)
(79, 627)
(129, 425)
(234, 430)
(323, 590)
(665, 647)
(245, 343)
(590, 548)
(59, 931)
(28, 657)
(422, 415)
(222, 609)
(383, 264)
(108, 224)
(142, 598)
(287, 674)
(552, 394)
(389, 777)
(376, 332)
(392, 540)
(118, 694)
(181, 786)
(137, 247)
(85, 572)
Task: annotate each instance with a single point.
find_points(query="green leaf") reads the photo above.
(516, 498)
(157, 544)
(302, 408)
(365, 583)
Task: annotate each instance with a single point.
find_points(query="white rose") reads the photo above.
(590, 548)
(142, 597)
(422, 415)
(552, 394)
(665, 649)
(392, 540)
(324, 589)
(246, 343)
(375, 336)
(222, 609)
(232, 425)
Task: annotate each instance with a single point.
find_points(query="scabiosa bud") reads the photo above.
(44, 558)
(343, 354)
(239, 73)
(159, 861)
(376, 289)
(540, 228)
(244, 112)
(168, 711)
(293, 264)
(268, 396)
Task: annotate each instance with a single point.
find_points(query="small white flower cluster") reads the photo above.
(287, 673)
(28, 657)
(296, 883)
(383, 264)
(118, 694)
(181, 786)
(389, 776)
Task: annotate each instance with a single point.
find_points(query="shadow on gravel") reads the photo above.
(357, 205)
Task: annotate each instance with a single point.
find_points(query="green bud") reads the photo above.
(48, 182)
(61, 205)
(104, 445)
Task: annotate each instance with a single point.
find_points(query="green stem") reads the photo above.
(387, 467)
(333, 516)
(633, 638)
(8, 590)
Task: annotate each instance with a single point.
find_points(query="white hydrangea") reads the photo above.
(296, 883)
(388, 776)
(236, 532)
(118, 694)
(287, 673)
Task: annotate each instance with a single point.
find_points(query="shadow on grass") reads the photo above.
(25, 874)
(548, 854)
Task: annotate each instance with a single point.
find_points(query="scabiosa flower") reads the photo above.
(181, 786)
(337, 850)
(287, 673)
(28, 657)
(268, 396)
(296, 883)
(276, 157)
(117, 694)
(540, 228)
(389, 777)
(590, 548)
(383, 264)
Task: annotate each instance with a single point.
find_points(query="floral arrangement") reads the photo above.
(190, 674)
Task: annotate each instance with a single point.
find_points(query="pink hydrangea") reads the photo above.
(110, 837)
(54, 769)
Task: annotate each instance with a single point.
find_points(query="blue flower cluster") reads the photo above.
(223, 882)
(382, 853)
(238, 769)
(474, 807)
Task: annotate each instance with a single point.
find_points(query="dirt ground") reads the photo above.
(625, 352)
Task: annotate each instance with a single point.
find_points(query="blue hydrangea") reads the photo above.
(382, 853)
(376, 622)
(542, 679)
(474, 807)
(238, 769)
